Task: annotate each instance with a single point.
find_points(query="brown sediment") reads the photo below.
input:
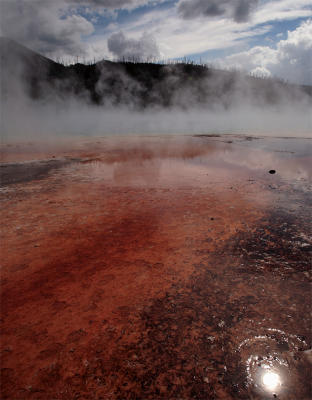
(157, 268)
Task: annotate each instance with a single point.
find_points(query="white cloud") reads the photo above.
(290, 60)
(282, 10)
(112, 4)
(177, 37)
(46, 28)
(59, 28)
(54, 27)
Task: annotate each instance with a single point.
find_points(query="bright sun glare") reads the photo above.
(270, 380)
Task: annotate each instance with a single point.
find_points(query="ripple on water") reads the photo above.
(275, 364)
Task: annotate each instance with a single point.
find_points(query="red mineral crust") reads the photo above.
(155, 268)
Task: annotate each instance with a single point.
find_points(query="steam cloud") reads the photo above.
(239, 10)
(162, 102)
(144, 48)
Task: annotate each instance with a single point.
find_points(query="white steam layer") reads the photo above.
(40, 121)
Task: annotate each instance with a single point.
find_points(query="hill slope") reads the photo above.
(138, 85)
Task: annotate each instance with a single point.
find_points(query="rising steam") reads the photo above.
(170, 99)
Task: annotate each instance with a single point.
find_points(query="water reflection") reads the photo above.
(136, 172)
(271, 380)
(276, 365)
(267, 375)
(178, 160)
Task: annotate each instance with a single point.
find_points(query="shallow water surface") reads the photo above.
(156, 268)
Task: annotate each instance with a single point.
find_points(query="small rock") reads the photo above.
(206, 380)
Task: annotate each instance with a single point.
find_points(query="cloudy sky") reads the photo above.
(265, 37)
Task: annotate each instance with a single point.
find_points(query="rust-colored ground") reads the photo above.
(156, 268)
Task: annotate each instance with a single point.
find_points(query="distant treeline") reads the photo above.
(136, 84)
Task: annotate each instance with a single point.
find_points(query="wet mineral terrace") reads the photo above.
(156, 268)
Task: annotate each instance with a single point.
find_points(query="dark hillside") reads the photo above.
(26, 69)
(138, 85)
